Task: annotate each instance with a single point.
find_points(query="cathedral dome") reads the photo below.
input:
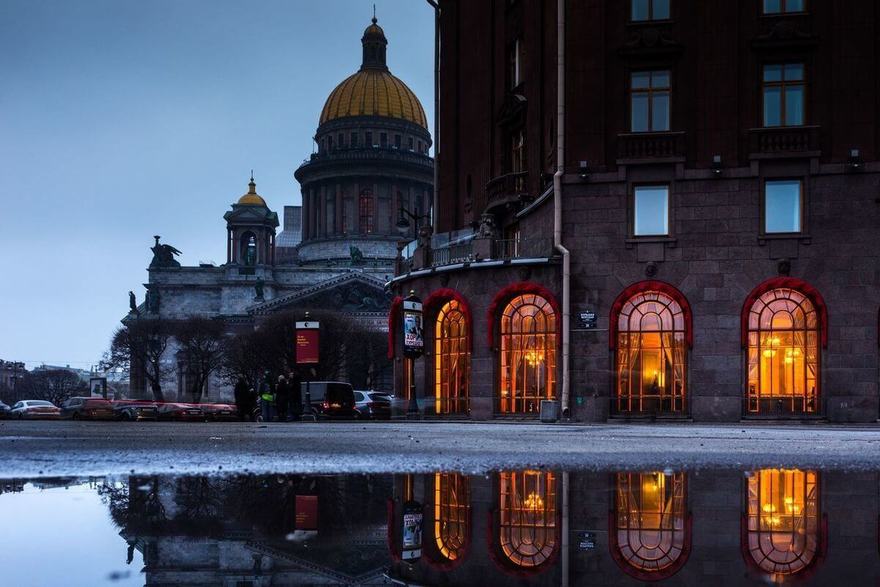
(373, 90)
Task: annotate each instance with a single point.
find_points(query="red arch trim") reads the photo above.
(393, 323)
(641, 574)
(804, 574)
(788, 283)
(510, 292)
(439, 297)
(642, 287)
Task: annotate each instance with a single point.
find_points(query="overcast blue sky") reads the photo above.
(121, 119)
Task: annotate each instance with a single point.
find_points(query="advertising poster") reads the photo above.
(413, 341)
(98, 387)
(412, 531)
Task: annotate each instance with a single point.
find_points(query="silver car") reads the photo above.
(35, 409)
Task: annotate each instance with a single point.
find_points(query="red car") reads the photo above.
(87, 408)
(220, 412)
(181, 412)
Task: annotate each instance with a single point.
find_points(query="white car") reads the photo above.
(35, 409)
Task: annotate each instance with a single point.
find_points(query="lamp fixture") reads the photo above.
(855, 160)
(584, 171)
(716, 166)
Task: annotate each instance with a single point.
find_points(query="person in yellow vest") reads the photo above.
(267, 401)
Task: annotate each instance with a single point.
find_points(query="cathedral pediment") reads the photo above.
(351, 293)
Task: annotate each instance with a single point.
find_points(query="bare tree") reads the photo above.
(201, 342)
(139, 345)
(54, 385)
(246, 356)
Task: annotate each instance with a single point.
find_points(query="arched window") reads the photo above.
(528, 354)
(248, 249)
(451, 515)
(527, 531)
(783, 528)
(783, 354)
(650, 538)
(451, 359)
(651, 355)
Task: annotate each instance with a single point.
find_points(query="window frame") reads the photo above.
(450, 312)
(783, 85)
(650, 91)
(782, 10)
(802, 211)
(632, 212)
(650, 18)
(368, 226)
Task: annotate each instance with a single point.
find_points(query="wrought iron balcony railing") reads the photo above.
(509, 187)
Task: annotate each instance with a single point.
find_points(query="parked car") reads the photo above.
(135, 410)
(35, 409)
(4, 411)
(181, 412)
(87, 408)
(220, 412)
(330, 399)
(373, 405)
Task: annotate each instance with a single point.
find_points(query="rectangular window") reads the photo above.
(383, 139)
(366, 212)
(783, 92)
(515, 59)
(783, 6)
(651, 210)
(643, 10)
(369, 137)
(649, 101)
(354, 139)
(397, 141)
(782, 206)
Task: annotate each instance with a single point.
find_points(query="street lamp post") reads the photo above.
(413, 345)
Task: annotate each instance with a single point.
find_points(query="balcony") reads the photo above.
(650, 146)
(508, 188)
(783, 140)
(452, 254)
(521, 248)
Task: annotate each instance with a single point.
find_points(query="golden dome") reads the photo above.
(374, 92)
(252, 198)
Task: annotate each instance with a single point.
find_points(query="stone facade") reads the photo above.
(714, 160)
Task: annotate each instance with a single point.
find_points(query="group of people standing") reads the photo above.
(279, 400)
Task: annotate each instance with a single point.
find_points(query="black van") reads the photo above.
(330, 399)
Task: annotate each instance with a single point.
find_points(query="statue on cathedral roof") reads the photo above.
(163, 255)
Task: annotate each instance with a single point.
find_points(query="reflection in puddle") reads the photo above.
(531, 527)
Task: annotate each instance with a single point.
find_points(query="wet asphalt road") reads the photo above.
(31, 449)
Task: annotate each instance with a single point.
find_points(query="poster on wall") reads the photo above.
(413, 338)
(308, 338)
(412, 531)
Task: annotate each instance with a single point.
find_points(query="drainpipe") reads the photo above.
(436, 136)
(557, 205)
(566, 531)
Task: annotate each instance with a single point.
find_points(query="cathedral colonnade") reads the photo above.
(492, 350)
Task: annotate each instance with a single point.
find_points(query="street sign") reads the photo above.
(586, 541)
(587, 319)
(308, 338)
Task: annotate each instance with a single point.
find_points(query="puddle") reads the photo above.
(526, 527)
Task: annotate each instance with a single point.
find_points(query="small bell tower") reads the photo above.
(250, 230)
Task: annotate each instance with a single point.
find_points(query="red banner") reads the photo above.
(306, 512)
(307, 341)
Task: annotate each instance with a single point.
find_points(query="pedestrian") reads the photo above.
(240, 391)
(296, 405)
(282, 397)
(267, 398)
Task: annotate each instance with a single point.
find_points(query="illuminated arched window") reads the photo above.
(451, 515)
(528, 354)
(451, 359)
(783, 354)
(366, 212)
(651, 524)
(784, 534)
(651, 355)
(527, 531)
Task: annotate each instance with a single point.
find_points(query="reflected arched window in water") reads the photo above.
(527, 523)
(451, 359)
(451, 515)
(651, 354)
(783, 354)
(528, 353)
(651, 526)
(783, 526)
